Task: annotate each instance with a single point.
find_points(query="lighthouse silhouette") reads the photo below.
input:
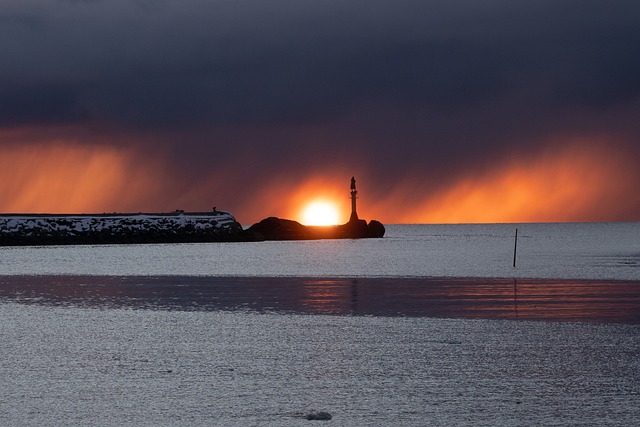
(354, 196)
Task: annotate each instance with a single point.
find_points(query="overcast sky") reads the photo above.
(454, 110)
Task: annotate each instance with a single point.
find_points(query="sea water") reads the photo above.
(156, 335)
(65, 366)
(573, 250)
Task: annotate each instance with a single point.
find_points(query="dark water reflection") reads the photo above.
(530, 299)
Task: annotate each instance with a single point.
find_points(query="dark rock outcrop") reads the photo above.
(273, 228)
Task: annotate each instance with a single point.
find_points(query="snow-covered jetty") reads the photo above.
(178, 226)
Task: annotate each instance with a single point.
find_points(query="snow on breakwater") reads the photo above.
(178, 226)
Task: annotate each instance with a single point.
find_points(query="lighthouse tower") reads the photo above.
(354, 196)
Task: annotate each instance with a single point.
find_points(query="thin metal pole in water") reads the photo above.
(515, 248)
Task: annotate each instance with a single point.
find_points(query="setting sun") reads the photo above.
(320, 213)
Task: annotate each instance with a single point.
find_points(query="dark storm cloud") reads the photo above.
(49, 104)
(442, 82)
(246, 61)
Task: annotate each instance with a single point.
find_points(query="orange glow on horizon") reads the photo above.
(70, 178)
(583, 181)
(281, 197)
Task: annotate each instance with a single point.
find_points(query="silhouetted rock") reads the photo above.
(273, 228)
(375, 228)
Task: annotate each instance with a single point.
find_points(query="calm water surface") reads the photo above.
(565, 251)
(431, 325)
(77, 366)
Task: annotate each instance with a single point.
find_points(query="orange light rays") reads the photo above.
(577, 182)
(67, 177)
(573, 180)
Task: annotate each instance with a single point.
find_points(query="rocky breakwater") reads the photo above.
(174, 227)
(273, 228)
